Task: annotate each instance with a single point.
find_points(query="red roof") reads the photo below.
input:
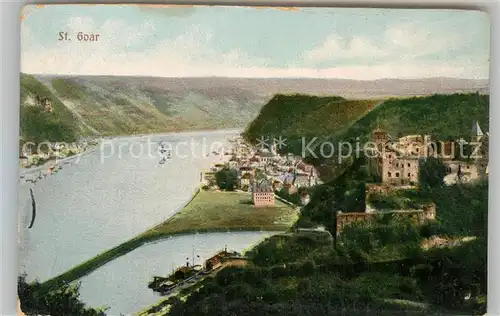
(214, 259)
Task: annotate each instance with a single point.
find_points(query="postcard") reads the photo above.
(224, 160)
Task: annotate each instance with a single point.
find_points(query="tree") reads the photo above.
(61, 302)
(431, 173)
(226, 179)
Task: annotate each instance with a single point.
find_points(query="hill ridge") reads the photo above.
(118, 105)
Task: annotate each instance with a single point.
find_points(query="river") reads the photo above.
(105, 197)
(122, 283)
(102, 198)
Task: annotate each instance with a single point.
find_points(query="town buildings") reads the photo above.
(473, 167)
(245, 181)
(265, 156)
(289, 188)
(397, 162)
(246, 170)
(262, 194)
(395, 165)
(23, 161)
(281, 171)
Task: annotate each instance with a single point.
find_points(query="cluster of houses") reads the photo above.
(393, 162)
(32, 154)
(263, 171)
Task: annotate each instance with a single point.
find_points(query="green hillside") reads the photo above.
(37, 125)
(110, 110)
(122, 105)
(302, 118)
(84, 106)
(377, 269)
(441, 116)
(302, 115)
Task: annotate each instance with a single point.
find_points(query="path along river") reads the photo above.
(112, 194)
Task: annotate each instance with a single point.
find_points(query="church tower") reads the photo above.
(273, 147)
(482, 158)
(480, 148)
(476, 133)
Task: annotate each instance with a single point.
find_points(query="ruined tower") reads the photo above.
(379, 138)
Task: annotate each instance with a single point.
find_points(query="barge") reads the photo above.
(189, 273)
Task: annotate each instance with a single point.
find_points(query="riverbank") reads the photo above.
(207, 211)
(179, 133)
(163, 305)
(41, 162)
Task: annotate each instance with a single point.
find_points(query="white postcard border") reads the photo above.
(9, 96)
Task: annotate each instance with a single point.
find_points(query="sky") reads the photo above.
(200, 41)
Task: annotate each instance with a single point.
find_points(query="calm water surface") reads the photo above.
(122, 284)
(109, 196)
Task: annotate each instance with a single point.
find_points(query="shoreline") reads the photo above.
(102, 259)
(175, 133)
(145, 310)
(151, 235)
(55, 161)
(148, 236)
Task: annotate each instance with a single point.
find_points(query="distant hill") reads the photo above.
(112, 105)
(267, 87)
(300, 119)
(441, 116)
(303, 115)
(129, 105)
(36, 125)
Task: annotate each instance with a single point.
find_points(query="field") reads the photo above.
(207, 212)
(211, 210)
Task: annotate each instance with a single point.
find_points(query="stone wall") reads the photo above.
(384, 189)
(427, 213)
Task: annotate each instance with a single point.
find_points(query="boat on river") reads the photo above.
(181, 275)
(189, 273)
(165, 152)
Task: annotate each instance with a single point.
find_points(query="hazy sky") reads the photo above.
(173, 41)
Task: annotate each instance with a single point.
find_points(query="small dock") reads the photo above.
(193, 274)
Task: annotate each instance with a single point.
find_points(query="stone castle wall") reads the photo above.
(427, 213)
(384, 189)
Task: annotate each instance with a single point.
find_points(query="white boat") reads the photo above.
(162, 149)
